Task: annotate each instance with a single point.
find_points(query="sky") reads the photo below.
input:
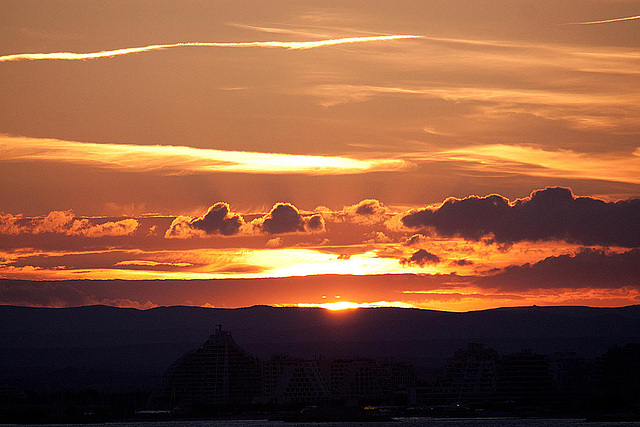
(451, 155)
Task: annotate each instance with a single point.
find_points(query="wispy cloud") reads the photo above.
(300, 45)
(609, 111)
(342, 93)
(621, 167)
(317, 31)
(606, 21)
(177, 160)
(277, 30)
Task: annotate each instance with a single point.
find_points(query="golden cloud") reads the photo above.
(620, 167)
(65, 222)
(174, 160)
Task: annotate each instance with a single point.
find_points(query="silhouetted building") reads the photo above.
(218, 373)
(569, 372)
(357, 379)
(524, 377)
(403, 374)
(617, 375)
(479, 377)
(221, 373)
(367, 381)
(471, 374)
(570, 380)
(292, 380)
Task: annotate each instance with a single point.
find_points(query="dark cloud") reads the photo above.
(415, 240)
(315, 223)
(237, 268)
(390, 251)
(61, 294)
(219, 220)
(421, 258)
(285, 218)
(586, 269)
(462, 262)
(549, 214)
(47, 294)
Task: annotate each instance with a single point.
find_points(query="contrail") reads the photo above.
(72, 56)
(606, 21)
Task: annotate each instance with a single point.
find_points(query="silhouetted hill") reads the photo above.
(112, 347)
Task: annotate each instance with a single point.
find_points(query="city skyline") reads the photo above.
(438, 155)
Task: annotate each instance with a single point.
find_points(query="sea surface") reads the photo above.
(400, 422)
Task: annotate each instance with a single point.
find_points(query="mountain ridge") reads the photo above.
(36, 343)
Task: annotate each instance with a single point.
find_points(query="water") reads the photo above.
(401, 422)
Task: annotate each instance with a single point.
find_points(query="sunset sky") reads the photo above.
(451, 155)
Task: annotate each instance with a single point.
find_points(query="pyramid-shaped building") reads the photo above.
(217, 373)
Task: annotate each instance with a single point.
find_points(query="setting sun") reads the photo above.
(346, 305)
(333, 306)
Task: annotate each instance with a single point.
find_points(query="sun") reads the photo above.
(341, 305)
(334, 306)
(348, 305)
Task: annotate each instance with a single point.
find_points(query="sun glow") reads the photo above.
(348, 305)
(334, 306)
(212, 264)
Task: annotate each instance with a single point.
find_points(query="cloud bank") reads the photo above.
(550, 214)
(586, 269)
(65, 222)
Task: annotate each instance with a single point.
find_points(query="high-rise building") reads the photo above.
(471, 374)
(367, 381)
(525, 377)
(617, 375)
(218, 373)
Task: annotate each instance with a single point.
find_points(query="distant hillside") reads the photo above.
(111, 347)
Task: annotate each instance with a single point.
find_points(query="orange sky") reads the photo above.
(452, 155)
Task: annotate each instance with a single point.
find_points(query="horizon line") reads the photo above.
(533, 306)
